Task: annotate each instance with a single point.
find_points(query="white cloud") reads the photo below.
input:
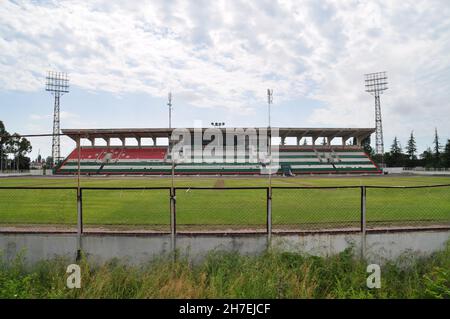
(226, 53)
(410, 40)
(64, 115)
(38, 117)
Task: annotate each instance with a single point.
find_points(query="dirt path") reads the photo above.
(220, 183)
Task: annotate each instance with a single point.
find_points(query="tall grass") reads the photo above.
(273, 274)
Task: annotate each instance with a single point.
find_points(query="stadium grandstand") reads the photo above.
(310, 157)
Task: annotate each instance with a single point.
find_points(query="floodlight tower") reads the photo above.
(57, 83)
(376, 83)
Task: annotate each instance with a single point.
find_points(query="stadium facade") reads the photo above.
(322, 155)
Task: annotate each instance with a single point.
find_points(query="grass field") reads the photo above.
(222, 208)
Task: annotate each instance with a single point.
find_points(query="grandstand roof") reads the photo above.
(284, 132)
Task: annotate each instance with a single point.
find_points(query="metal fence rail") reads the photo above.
(234, 209)
(126, 209)
(221, 209)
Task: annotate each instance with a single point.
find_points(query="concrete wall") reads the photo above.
(139, 249)
(393, 170)
(428, 173)
(402, 170)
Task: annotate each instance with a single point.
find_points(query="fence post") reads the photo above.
(79, 202)
(363, 220)
(269, 215)
(79, 221)
(173, 218)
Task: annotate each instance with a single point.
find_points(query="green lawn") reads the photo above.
(219, 209)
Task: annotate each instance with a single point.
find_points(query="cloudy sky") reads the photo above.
(219, 57)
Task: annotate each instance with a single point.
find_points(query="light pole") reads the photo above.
(169, 104)
(269, 102)
(173, 205)
(269, 195)
(172, 187)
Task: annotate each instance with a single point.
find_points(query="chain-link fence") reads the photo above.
(221, 209)
(306, 208)
(126, 209)
(36, 207)
(239, 209)
(416, 206)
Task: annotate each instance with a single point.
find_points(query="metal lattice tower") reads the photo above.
(57, 83)
(376, 83)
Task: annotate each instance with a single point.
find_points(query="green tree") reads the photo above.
(12, 147)
(24, 147)
(437, 148)
(367, 147)
(49, 161)
(427, 157)
(446, 154)
(395, 156)
(411, 149)
(396, 148)
(19, 147)
(4, 138)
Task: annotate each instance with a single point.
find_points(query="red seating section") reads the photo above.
(98, 153)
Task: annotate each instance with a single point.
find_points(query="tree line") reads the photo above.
(437, 156)
(18, 147)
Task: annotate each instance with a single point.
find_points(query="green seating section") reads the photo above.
(287, 161)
